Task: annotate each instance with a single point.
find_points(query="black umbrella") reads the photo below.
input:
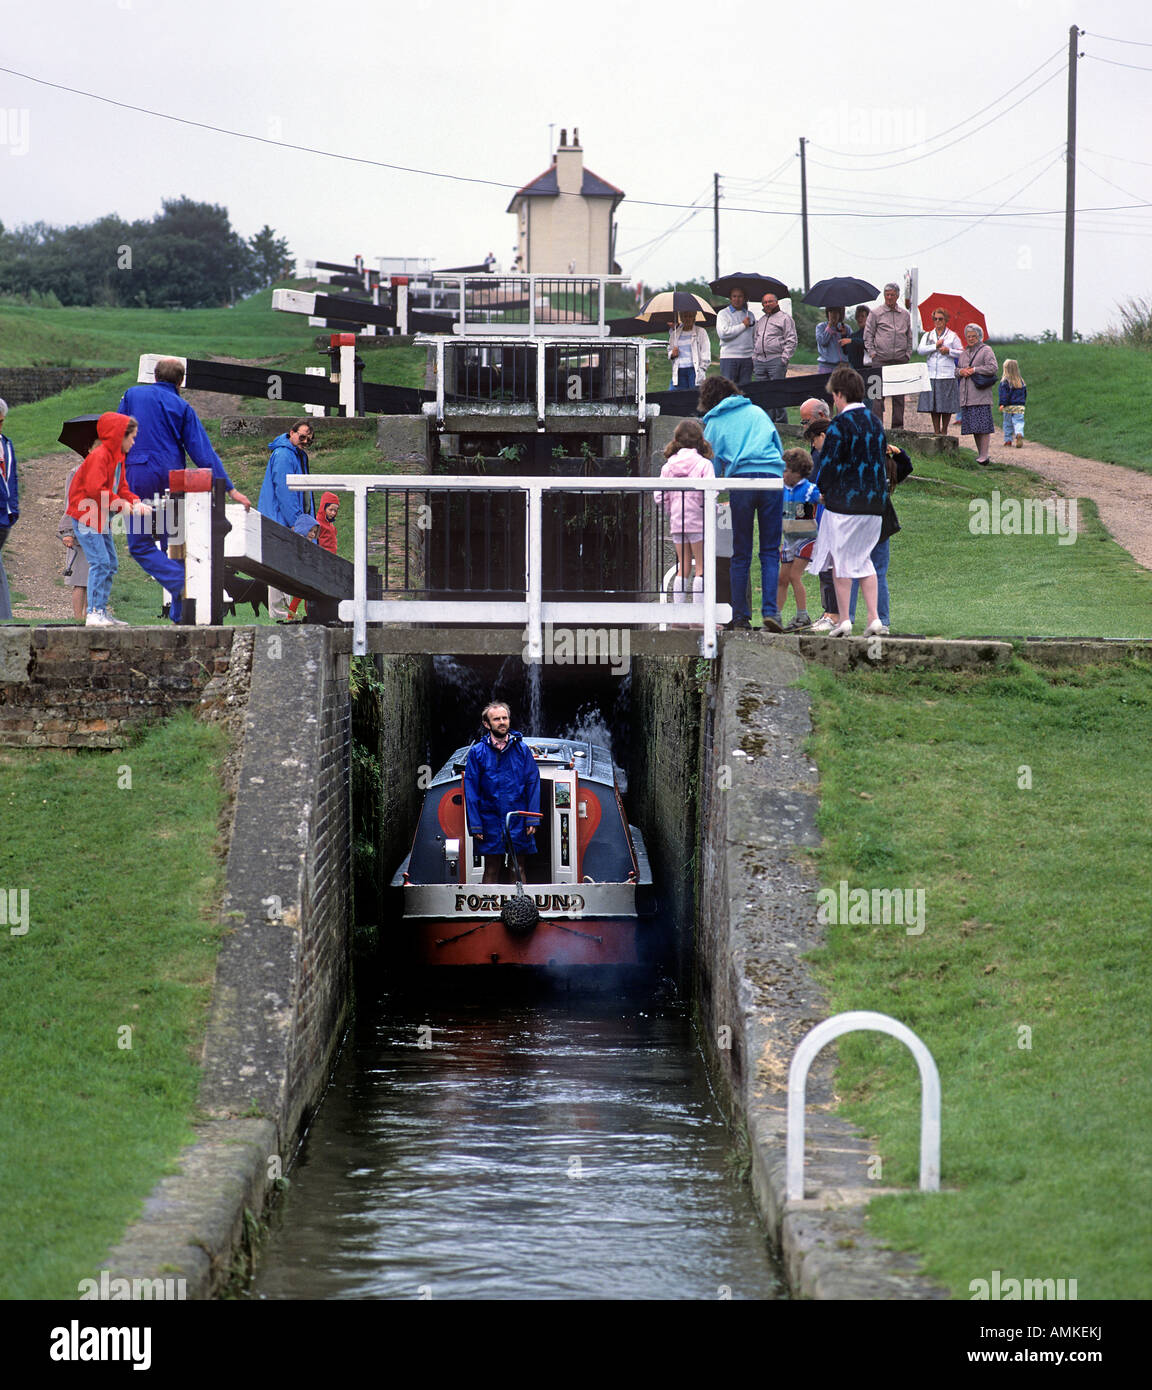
(755, 286)
(839, 292)
(632, 328)
(79, 433)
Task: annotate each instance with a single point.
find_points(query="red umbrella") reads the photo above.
(960, 313)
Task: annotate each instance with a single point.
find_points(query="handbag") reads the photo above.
(983, 380)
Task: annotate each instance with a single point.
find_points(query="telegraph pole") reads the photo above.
(1070, 193)
(716, 225)
(804, 210)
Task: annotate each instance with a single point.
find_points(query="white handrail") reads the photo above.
(818, 1038)
(533, 613)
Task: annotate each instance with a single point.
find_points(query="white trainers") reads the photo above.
(876, 629)
(824, 624)
(98, 618)
(116, 622)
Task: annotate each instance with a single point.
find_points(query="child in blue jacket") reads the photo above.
(1013, 394)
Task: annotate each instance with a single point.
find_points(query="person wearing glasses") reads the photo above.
(286, 454)
(942, 347)
(169, 434)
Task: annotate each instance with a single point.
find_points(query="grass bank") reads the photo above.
(1017, 802)
(103, 1000)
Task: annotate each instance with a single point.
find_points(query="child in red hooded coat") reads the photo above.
(98, 490)
(326, 514)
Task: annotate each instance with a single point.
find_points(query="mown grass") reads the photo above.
(122, 883)
(946, 581)
(1036, 918)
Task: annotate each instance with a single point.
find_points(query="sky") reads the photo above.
(936, 132)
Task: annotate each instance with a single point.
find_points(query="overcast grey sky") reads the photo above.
(664, 94)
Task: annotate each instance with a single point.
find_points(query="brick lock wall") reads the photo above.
(63, 687)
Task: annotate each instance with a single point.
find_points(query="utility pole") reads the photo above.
(1070, 193)
(716, 225)
(804, 211)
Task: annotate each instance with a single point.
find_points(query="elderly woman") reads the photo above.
(942, 348)
(832, 339)
(690, 351)
(977, 370)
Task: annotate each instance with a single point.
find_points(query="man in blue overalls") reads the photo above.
(169, 428)
(500, 775)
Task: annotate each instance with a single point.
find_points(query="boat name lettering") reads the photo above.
(493, 902)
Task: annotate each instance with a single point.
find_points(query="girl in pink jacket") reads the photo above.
(688, 456)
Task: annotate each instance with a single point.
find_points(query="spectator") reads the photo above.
(773, 345)
(888, 342)
(1013, 395)
(814, 416)
(800, 499)
(690, 351)
(898, 465)
(9, 505)
(76, 568)
(943, 348)
(286, 455)
(977, 370)
(854, 487)
(688, 455)
(746, 445)
(736, 329)
(325, 529)
(169, 430)
(832, 340)
(857, 357)
(98, 489)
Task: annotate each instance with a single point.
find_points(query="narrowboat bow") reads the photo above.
(589, 879)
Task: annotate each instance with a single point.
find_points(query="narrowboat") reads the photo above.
(587, 901)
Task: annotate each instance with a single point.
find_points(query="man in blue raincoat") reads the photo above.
(286, 454)
(500, 775)
(169, 431)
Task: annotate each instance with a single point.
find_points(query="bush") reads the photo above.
(1135, 328)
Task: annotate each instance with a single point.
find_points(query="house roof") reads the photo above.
(545, 186)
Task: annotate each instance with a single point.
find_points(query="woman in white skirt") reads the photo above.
(853, 483)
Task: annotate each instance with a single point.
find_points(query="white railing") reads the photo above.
(484, 304)
(817, 1039)
(532, 613)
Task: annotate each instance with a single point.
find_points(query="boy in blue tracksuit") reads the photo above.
(500, 775)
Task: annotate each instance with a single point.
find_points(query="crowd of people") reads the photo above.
(833, 515)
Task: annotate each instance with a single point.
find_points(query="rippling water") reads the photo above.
(532, 1150)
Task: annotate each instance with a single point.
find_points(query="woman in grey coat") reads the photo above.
(977, 359)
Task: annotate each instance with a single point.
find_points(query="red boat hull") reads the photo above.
(605, 942)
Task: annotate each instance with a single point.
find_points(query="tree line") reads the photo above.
(187, 256)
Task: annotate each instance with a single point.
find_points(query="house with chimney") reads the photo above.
(566, 217)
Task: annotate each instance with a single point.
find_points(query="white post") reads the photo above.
(348, 378)
(198, 554)
(818, 1038)
(360, 573)
(314, 371)
(708, 636)
(538, 346)
(535, 552)
(400, 291)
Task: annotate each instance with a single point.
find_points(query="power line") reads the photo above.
(899, 163)
(1134, 43)
(940, 135)
(1112, 63)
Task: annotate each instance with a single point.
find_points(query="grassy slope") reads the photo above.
(1035, 916)
(120, 882)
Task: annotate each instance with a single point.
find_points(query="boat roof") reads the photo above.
(593, 762)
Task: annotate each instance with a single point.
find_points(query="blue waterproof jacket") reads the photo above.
(277, 500)
(169, 430)
(9, 483)
(496, 783)
(743, 438)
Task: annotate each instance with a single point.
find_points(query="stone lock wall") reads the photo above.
(23, 385)
(65, 687)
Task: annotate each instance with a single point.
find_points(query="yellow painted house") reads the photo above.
(565, 218)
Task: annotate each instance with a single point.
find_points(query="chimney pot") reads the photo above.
(563, 135)
(576, 135)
